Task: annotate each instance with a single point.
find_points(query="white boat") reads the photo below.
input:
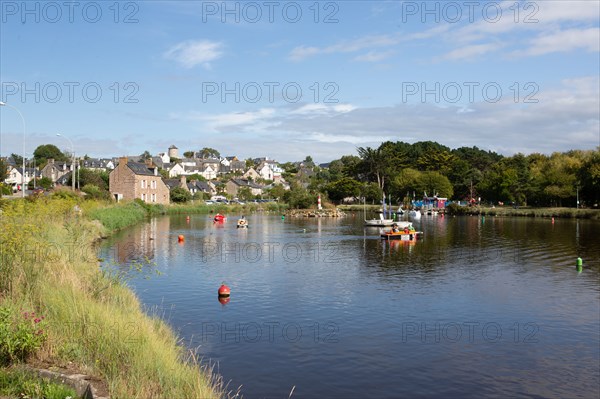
(242, 223)
(414, 214)
(381, 222)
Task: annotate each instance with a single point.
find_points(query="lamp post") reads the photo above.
(3, 104)
(73, 152)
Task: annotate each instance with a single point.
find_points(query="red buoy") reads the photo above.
(224, 300)
(181, 238)
(224, 291)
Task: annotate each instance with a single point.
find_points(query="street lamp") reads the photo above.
(73, 152)
(3, 104)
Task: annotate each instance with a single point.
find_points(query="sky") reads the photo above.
(285, 80)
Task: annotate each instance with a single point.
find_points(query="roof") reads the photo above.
(245, 183)
(172, 183)
(140, 168)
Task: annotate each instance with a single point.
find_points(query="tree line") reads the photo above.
(405, 171)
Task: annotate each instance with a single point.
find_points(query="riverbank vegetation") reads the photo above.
(57, 307)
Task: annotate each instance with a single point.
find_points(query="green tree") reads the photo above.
(434, 183)
(92, 177)
(277, 191)
(345, 187)
(145, 155)
(588, 178)
(49, 151)
(45, 183)
(245, 194)
(188, 154)
(3, 170)
(18, 159)
(208, 152)
(180, 195)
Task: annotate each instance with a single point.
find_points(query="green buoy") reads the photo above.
(282, 217)
(579, 265)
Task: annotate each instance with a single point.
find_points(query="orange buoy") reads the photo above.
(224, 291)
(180, 238)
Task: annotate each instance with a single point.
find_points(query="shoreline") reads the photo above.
(93, 322)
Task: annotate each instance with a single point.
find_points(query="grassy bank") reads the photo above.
(53, 293)
(528, 212)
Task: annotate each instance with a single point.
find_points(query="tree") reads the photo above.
(49, 151)
(94, 178)
(434, 183)
(45, 183)
(180, 195)
(18, 159)
(345, 187)
(245, 194)
(208, 152)
(145, 155)
(3, 170)
(188, 154)
(589, 179)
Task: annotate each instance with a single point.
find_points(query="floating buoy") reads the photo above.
(180, 238)
(579, 264)
(224, 300)
(552, 220)
(282, 217)
(224, 291)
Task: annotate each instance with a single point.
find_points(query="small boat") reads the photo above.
(381, 222)
(242, 223)
(415, 214)
(407, 234)
(219, 218)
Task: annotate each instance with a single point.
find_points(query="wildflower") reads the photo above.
(37, 320)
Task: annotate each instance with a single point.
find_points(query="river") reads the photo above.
(480, 307)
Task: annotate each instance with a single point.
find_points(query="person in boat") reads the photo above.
(394, 228)
(242, 222)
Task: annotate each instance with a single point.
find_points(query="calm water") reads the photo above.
(479, 308)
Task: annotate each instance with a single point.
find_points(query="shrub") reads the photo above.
(20, 335)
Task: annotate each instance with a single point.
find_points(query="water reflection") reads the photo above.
(331, 292)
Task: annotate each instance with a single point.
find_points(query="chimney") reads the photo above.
(51, 161)
(123, 160)
(183, 181)
(149, 162)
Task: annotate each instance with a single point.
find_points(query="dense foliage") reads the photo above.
(401, 170)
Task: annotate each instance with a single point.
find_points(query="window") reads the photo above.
(153, 184)
(153, 196)
(143, 183)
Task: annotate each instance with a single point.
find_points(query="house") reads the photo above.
(131, 180)
(232, 164)
(199, 186)
(251, 174)
(15, 176)
(176, 170)
(174, 183)
(55, 170)
(234, 185)
(98, 164)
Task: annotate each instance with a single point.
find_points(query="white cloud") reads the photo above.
(565, 40)
(471, 51)
(374, 56)
(347, 46)
(191, 53)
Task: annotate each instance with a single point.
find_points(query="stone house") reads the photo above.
(251, 174)
(131, 180)
(233, 186)
(55, 170)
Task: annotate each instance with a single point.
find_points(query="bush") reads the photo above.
(180, 195)
(455, 209)
(20, 335)
(95, 192)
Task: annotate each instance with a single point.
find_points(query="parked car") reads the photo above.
(209, 202)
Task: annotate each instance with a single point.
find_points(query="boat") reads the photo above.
(219, 218)
(415, 214)
(405, 234)
(381, 222)
(242, 223)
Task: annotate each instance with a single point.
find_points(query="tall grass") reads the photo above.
(93, 322)
(526, 211)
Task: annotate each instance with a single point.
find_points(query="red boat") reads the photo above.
(219, 218)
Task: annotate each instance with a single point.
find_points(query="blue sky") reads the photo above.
(290, 79)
